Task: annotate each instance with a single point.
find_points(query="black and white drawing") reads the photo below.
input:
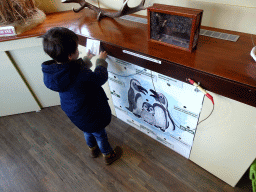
(162, 114)
(161, 107)
(135, 99)
(148, 113)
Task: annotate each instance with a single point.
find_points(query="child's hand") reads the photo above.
(103, 55)
(89, 54)
(87, 62)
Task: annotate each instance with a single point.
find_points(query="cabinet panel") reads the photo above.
(15, 97)
(29, 62)
(225, 144)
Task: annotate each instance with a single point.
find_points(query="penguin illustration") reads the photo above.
(135, 98)
(148, 113)
(162, 116)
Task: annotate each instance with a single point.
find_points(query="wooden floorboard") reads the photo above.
(44, 151)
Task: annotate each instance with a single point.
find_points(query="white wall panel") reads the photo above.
(29, 62)
(225, 143)
(15, 97)
(20, 43)
(240, 3)
(224, 14)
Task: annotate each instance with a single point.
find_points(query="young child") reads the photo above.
(81, 95)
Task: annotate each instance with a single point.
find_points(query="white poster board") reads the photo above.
(161, 107)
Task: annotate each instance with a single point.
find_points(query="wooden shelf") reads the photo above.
(221, 66)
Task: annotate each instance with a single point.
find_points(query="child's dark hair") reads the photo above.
(59, 43)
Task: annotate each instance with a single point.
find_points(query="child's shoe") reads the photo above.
(113, 156)
(95, 151)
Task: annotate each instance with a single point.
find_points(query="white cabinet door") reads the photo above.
(29, 62)
(225, 143)
(15, 96)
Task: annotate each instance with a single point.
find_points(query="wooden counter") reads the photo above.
(221, 66)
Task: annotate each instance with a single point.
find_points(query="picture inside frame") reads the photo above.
(172, 29)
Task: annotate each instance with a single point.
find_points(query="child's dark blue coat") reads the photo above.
(81, 96)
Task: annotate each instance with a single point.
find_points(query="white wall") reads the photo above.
(235, 15)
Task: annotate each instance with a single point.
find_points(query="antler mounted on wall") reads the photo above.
(125, 10)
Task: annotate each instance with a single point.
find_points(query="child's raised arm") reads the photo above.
(103, 56)
(87, 59)
(100, 74)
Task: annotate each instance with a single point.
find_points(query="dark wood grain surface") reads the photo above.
(43, 151)
(221, 66)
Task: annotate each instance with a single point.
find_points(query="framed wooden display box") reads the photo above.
(177, 27)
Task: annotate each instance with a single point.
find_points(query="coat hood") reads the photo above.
(57, 76)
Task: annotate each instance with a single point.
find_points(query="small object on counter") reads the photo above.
(7, 31)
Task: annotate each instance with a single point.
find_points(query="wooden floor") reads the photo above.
(44, 151)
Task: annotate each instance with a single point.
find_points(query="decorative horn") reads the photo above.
(125, 10)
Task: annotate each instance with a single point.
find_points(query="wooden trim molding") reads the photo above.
(221, 66)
